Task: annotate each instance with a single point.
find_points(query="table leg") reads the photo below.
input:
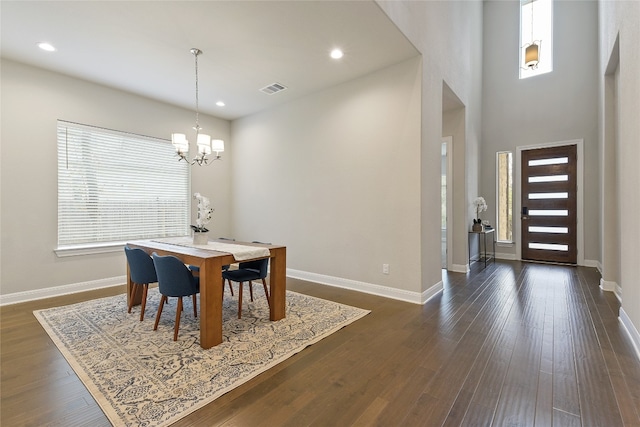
(210, 303)
(485, 250)
(278, 283)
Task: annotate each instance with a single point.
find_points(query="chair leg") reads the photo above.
(134, 287)
(251, 289)
(162, 300)
(240, 301)
(178, 313)
(195, 306)
(230, 287)
(145, 289)
(266, 292)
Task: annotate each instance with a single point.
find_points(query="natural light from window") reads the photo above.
(542, 33)
(504, 184)
(116, 186)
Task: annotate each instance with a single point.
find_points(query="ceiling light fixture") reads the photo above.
(220, 104)
(204, 142)
(532, 50)
(337, 54)
(46, 46)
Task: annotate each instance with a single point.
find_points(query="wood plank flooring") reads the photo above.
(515, 344)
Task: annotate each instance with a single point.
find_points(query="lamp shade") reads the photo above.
(531, 56)
(204, 144)
(179, 141)
(217, 145)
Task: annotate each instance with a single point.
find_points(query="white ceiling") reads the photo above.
(143, 46)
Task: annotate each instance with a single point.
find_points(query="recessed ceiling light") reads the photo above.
(220, 104)
(336, 54)
(46, 46)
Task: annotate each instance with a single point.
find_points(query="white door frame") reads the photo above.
(448, 140)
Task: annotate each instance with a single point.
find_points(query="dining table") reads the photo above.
(210, 258)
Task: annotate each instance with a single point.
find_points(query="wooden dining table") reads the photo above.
(210, 263)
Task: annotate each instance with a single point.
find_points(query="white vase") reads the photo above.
(200, 238)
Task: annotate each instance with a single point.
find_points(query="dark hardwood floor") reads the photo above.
(514, 344)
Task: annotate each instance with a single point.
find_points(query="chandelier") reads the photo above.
(204, 142)
(532, 50)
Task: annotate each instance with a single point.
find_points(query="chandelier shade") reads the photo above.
(532, 55)
(217, 145)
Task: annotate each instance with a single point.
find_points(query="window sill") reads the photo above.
(88, 249)
(505, 244)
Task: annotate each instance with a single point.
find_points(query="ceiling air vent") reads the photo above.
(273, 88)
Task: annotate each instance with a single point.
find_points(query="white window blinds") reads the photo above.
(115, 186)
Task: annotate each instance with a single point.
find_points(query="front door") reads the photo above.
(549, 229)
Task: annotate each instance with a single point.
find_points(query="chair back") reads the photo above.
(260, 266)
(174, 278)
(141, 268)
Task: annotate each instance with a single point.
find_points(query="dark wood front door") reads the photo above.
(548, 216)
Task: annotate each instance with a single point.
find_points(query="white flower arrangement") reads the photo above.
(204, 213)
(481, 206)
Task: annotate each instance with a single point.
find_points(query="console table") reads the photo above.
(482, 245)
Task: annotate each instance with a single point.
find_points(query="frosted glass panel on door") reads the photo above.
(552, 161)
(549, 178)
(548, 212)
(538, 196)
(555, 230)
(549, 246)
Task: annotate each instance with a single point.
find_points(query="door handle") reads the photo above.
(525, 213)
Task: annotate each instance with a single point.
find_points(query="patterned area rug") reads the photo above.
(142, 377)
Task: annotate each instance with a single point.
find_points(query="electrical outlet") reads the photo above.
(385, 268)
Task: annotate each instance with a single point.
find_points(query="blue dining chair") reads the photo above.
(142, 272)
(174, 280)
(248, 272)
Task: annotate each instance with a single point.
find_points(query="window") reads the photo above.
(115, 186)
(536, 24)
(504, 172)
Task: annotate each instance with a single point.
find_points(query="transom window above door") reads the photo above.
(536, 27)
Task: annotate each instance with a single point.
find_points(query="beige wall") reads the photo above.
(335, 176)
(31, 101)
(619, 20)
(449, 36)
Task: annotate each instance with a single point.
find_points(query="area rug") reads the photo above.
(142, 377)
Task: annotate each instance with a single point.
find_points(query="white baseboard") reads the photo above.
(591, 263)
(609, 286)
(399, 294)
(37, 294)
(368, 288)
(506, 256)
(459, 268)
(631, 331)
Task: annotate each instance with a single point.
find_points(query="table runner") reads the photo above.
(239, 252)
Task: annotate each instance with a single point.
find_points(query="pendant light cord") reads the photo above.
(197, 52)
(532, 1)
